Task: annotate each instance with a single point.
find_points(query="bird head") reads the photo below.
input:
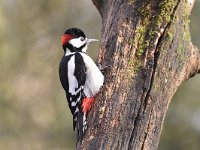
(75, 40)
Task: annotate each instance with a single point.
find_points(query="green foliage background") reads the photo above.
(33, 111)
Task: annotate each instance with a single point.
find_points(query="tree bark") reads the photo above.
(148, 45)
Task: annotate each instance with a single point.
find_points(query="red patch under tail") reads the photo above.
(87, 104)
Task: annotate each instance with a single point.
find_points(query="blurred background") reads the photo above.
(33, 110)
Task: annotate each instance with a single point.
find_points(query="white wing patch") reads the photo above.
(73, 83)
(94, 77)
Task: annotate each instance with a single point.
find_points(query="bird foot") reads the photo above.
(103, 68)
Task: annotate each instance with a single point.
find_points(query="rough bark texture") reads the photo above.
(148, 45)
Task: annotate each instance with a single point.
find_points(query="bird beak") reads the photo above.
(91, 40)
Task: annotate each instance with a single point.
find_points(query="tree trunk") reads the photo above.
(148, 45)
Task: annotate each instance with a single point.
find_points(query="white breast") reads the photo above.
(94, 77)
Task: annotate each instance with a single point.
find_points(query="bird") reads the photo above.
(80, 77)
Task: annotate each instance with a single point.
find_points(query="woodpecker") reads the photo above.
(80, 77)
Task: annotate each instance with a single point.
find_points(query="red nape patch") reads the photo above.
(87, 104)
(66, 38)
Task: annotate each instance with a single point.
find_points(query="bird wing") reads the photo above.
(72, 73)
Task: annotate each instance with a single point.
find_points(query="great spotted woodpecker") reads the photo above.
(79, 76)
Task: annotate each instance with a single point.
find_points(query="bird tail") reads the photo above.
(81, 123)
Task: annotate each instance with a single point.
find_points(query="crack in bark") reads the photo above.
(157, 53)
(156, 56)
(147, 97)
(148, 126)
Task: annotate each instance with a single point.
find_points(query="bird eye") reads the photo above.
(82, 39)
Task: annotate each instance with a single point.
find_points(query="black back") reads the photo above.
(80, 74)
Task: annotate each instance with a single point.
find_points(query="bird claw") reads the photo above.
(103, 68)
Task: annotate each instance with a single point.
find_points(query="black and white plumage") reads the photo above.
(79, 76)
